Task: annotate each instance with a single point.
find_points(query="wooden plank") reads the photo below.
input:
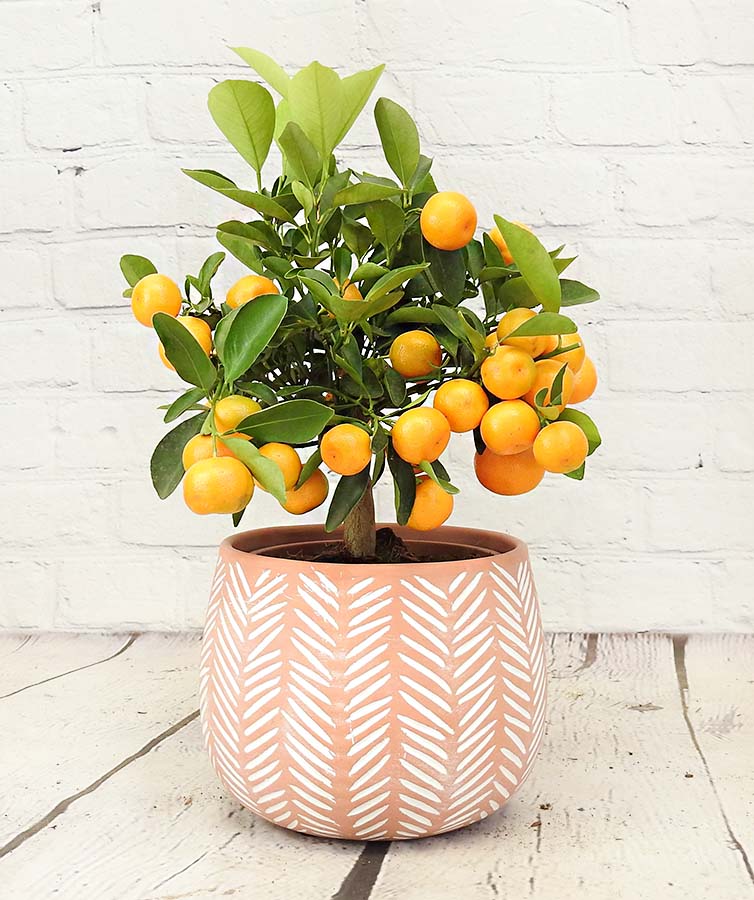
(70, 731)
(608, 811)
(716, 680)
(41, 657)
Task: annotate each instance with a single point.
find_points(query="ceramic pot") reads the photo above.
(372, 702)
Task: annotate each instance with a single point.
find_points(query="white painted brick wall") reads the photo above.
(625, 129)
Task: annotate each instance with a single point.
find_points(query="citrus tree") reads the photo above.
(371, 325)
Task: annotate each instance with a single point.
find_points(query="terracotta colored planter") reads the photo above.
(373, 701)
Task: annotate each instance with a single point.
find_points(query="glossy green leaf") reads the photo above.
(447, 272)
(386, 219)
(265, 66)
(183, 403)
(316, 101)
(291, 422)
(356, 90)
(301, 155)
(399, 137)
(134, 268)
(575, 293)
(410, 314)
(250, 332)
(182, 349)
(364, 192)
(392, 280)
(165, 465)
(208, 271)
(245, 113)
(404, 481)
(358, 237)
(263, 204)
(585, 423)
(349, 490)
(545, 323)
(369, 270)
(431, 469)
(396, 387)
(577, 474)
(307, 470)
(534, 263)
(267, 472)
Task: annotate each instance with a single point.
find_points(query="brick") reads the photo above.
(10, 118)
(550, 33)
(193, 249)
(29, 430)
(25, 277)
(680, 356)
(86, 273)
(55, 514)
(706, 113)
(125, 358)
(36, 35)
(609, 108)
(672, 190)
(83, 112)
(703, 514)
(561, 591)
(132, 590)
(177, 109)
(453, 111)
(43, 353)
(732, 604)
(734, 435)
(732, 265)
(33, 196)
(195, 570)
(28, 594)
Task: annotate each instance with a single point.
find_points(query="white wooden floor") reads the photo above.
(644, 787)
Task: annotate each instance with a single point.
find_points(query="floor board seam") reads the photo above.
(361, 878)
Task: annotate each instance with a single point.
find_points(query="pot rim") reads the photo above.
(245, 544)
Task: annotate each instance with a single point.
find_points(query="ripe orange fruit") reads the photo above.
(415, 354)
(508, 475)
(448, 220)
(200, 447)
(490, 342)
(462, 402)
(201, 331)
(584, 382)
(546, 370)
(432, 506)
(346, 449)
(508, 373)
(573, 358)
(232, 410)
(561, 447)
(155, 293)
(217, 485)
(499, 241)
(288, 461)
(534, 346)
(349, 291)
(309, 496)
(249, 287)
(509, 427)
(420, 434)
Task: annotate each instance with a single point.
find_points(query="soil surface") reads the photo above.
(390, 550)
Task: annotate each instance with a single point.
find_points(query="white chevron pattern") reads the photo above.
(381, 708)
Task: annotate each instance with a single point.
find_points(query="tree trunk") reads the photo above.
(359, 532)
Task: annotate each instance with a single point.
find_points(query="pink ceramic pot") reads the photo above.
(373, 702)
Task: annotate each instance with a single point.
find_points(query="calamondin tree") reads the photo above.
(371, 325)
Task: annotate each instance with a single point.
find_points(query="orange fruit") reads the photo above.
(309, 496)
(349, 291)
(584, 382)
(508, 475)
(574, 359)
(561, 447)
(346, 449)
(462, 402)
(201, 331)
(534, 346)
(201, 447)
(499, 241)
(448, 220)
(220, 484)
(490, 342)
(415, 354)
(546, 370)
(232, 410)
(420, 434)
(249, 287)
(287, 460)
(509, 427)
(508, 373)
(432, 506)
(155, 293)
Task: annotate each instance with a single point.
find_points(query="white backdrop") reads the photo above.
(624, 129)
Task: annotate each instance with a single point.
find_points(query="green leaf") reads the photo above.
(291, 422)
(429, 469)
(250, 332)
(409, 314)
(208, 271)
(245, 113)
(575, 293)
(516, 292)
(349, 490)
(134, 268)
(304, 195)
(534, 263)
(404, 482)
(578, 474)
(556, 391)
(179, 406)
(259, 390)
(165, 465)
(316, 101)
(265, 66)
(358, 237)
(386, 219)
(356, 90)
(267, 472)
(392, 280)
(342, 260)
(264, 205)
(545, 323)
(307, 470)
(585, 423)
(447, 272)
(301, 155)
(364, 192)
(182, 349)
(396, 387)
(399, 137)
(369, 270)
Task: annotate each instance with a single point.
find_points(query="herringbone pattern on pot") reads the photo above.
(392, 707)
